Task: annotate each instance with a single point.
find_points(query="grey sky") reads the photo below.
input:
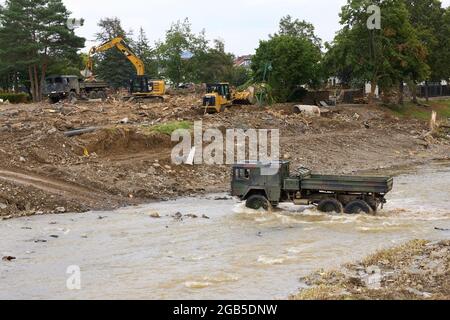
(241, 23)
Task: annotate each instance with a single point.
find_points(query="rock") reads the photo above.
(60, 210)
(8, 258)
(124, 121)
(52, 131)
(22, 159)
(311, 111)
(3, 206)
(154, 215)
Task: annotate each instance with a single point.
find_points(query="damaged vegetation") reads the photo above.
(417, 270)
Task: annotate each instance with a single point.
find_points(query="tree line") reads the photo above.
(412, 46)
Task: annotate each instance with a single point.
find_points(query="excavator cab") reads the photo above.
(218, 97)
(143, 88)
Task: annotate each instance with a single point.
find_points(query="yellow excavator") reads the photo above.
(220, 96)
(140, 87)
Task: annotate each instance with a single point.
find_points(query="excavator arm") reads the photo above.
(122, 46)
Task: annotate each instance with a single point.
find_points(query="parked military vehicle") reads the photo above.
(256, 184)
(72, 88)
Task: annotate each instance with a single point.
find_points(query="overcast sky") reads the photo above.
(240, 23)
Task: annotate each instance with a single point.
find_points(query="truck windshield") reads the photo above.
(242, 174)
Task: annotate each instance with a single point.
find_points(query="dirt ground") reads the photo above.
(127, 161)
(418, 270)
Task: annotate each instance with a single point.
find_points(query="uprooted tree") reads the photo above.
(34, 35)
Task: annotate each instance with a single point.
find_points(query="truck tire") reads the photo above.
(72, 97)
(93, 95)
(257, 202)
(102, 95)
(330, 205)
(357, 207)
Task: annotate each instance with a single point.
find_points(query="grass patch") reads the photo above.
(169, 127)
(412, 111)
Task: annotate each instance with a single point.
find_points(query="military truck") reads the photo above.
(265, 185)
(72, 88)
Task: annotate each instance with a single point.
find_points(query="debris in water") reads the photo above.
(441, 229)
(101, 217)
(40, 241)
(192, 216)
(205, 217)
(54, 236)
(178, 216)
(8, 258)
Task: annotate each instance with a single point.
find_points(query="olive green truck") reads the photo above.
(267, 185)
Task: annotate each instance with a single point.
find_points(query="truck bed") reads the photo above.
(359, 184)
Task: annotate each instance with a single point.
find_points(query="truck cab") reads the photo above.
(260, 182)
(58, 87)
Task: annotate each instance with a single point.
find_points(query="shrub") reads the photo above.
(15, 97)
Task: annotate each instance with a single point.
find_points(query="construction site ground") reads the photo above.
(127, 160)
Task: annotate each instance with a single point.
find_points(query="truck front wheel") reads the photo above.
(330, 205)
(257, 202)
(357, 207)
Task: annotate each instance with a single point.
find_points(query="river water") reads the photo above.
(235, 254)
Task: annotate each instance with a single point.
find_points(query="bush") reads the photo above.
(14, 97)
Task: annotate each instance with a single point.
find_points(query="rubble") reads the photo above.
(85, 156)
(416, 270)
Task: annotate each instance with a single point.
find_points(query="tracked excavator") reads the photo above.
(141, 87)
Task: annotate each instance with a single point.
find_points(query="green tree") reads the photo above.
(112, 66)
(298, 28)
(385, 57)
(294, 61)
(213, 64)
(176, 52)
(34, 35)
(428, 17)
(148, 56)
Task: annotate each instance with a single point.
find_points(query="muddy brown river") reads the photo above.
(235, 254)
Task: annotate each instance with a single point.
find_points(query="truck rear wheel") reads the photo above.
(102, 95)
(330, 205)
(72, 98)
(257, 202)
(357, 207)
(93, 95)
